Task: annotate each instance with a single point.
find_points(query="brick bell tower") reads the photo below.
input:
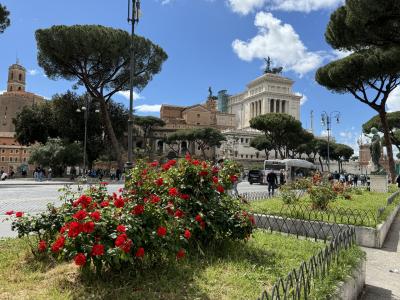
(16, 78)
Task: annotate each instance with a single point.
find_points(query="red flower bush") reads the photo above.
(19, 214)
(154, 216)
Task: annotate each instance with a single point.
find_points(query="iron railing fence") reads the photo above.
(299, 282)
(357, 217)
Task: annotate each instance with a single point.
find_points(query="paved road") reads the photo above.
(380, 282)
(33, 198)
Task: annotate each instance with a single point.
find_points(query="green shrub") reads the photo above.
(321, 196)
(163, 212)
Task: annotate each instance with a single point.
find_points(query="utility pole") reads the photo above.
(133, 18)
(326, 120)
(312, 121)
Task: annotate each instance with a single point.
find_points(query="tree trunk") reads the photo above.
(388, 144)
(322, 165)
(111, 133)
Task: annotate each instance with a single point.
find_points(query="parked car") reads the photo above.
(255, 176)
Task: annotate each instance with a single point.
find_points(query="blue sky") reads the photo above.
(218, 43)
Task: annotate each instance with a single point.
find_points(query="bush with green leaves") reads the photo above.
(291, 193)
(164, 212)
(321, 195)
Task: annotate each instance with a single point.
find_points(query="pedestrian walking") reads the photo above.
(272, 181)
(398, 181)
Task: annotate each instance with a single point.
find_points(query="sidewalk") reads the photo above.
(54, 181)
(380, 282)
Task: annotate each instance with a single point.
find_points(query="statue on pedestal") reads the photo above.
(376, 150)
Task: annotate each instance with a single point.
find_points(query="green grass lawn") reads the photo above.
(366, 204)
(234, 270)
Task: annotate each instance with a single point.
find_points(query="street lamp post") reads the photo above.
(85, 110)
(133, 18)
(326, 120)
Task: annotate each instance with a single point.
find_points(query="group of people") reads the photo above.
(4, 175)
(113, 173)
(349, 179)
(39, 174)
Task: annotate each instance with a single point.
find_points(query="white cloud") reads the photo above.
(148, 108)
(324, 133)
(126, 95)
(393, 102)
(303, 99)
(280, 42)
(346, 134)
(2, 92)
(245, 7)
(339, 54)
(33, 72)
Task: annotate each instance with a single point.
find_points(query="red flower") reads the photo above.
(159, 181)
(120, 240)
(58, 244)
(84, 201)
(198, 218)
(119, 203)
(104, 204)
(166, 167)
(202, 224)
(127, 246)
(74, 229)
(215, 170)
(161, 231)
(121, 228)
(154, 164)
(187, 156)
(42, 246)
(80, 259)
(204, 165)
(173, 192)
(251, 218)
(215, 179)
(144, 172)
(155, 199)
(220, 189)
(184, 196)
(140, 252)
(80, 215)
(187, 234)
(181, 253)
(233, 178)
(97, 250)
(120, 190)
(95, 216)
(138, 209)
(172, 162)
(104, 183)
(203, 173)
(10, 212)
(179, 213)
(63, 229)
(19, 214)
(195, 162)
(88, 227)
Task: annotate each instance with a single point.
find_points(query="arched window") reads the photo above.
(20, 77)
(19, 88)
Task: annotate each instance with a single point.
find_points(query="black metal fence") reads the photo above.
(299, 282)
(357, 217)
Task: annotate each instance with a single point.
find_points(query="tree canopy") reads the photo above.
(98, 58)
(279, 128)
(203, 137)
(58, 118)
(4, 18)
(370, 29)
(262, 143)
(56, 154)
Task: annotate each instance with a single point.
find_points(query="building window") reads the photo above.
(15, 159)
(3, 151)
(251, 156)
(11, 159)
(271, 106)
(241, 140)
(247, 140)
(247, 156)
(24, 159)
(11, 151)
(241, 155)
(24, 151)
(198, 115)
(20, 77)
(2, 158)
(16, 151)
(198, 123)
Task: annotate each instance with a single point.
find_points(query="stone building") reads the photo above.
(190, 117)
(269, 93)
(13, 155)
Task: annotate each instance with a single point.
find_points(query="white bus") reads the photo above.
(293, 168)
